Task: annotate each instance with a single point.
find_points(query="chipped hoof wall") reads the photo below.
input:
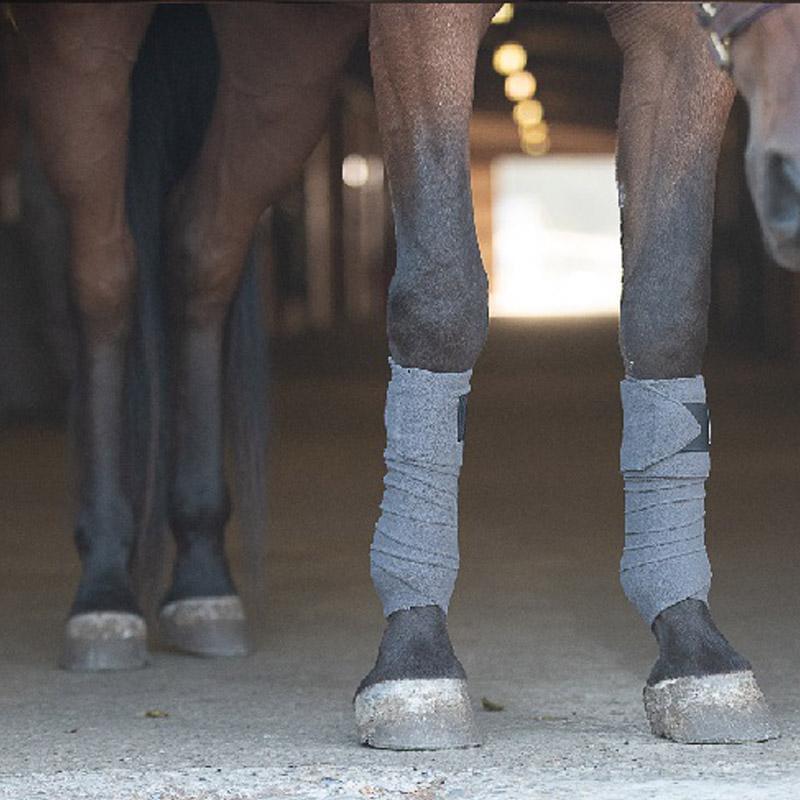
(431, 714)
(104, 640)
(205, 626)
(713, 709)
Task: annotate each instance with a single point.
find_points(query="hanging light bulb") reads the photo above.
(509, 57)
(520, 86)
(528, 112)
(504, 14)
(535, 139)
(541, 149)
(535, 134)
(355, 171)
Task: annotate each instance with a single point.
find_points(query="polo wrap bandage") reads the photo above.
(414, 554)
(665, 463)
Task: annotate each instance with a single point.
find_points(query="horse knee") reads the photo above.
(438, 318)
(103, 277)
(206, 270)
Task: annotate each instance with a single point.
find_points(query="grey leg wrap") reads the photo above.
(414, 554)
(664, 560)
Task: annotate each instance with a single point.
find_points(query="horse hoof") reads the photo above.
(416, 714)
(713, 709)
(100, 640)
(205, 626)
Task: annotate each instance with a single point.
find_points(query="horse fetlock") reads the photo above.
(105, 585)
(106, 533)
(201, 566)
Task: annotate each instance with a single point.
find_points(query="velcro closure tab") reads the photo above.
(656, 423)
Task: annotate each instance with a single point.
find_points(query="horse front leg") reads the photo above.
(673, 109)
(423, 63)
(81, 59)
(279, 66)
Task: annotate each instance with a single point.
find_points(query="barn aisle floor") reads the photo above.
(538, 618)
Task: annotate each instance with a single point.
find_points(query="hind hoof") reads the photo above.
(713, 709)
(416, 714)
(205, 626)
(104, 640)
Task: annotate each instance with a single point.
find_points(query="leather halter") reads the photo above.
(725, 21)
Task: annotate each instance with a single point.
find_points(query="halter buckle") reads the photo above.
(721, 49)
(724, 21)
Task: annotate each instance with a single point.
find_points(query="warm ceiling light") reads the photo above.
(528, 112)
(509, 57)
(535, 134)
(355, 171)
(535, 140)
(504, 14)
(520, 86)
(536, 148)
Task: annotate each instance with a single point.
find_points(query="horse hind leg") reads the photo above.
(423, 61)
(262, 130)
(81, 59)
(673, 109)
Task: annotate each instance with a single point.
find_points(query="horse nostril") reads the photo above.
(783, 193)
(791, 173)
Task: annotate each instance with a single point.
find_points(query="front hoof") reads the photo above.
(205, 626)
(104, 640)
(712, 709)
(416, 714)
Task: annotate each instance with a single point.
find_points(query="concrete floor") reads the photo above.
(538, 618)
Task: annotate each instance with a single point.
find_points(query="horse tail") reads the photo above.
(173, 88)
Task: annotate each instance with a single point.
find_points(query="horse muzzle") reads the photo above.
(775, 184)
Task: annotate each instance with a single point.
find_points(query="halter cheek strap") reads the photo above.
(725, 21)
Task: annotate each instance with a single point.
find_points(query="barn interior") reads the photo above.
(556, 656)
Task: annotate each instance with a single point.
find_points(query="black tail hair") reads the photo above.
(172, 98)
